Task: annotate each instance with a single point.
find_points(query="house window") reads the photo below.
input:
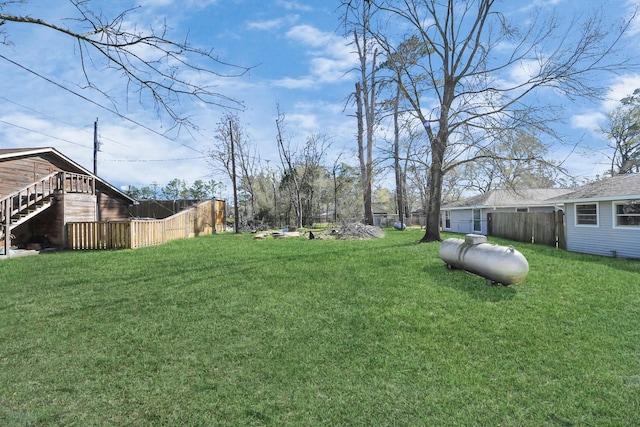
(447, 220)
(587, 214)
(627, 214)
(477, 223)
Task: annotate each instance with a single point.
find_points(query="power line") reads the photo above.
(59, 120)
(155, 160)
(107, 160)
(43, 134)
(81, 145)
(96, 103)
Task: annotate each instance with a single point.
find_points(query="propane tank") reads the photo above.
(498, 264)
(398, 225)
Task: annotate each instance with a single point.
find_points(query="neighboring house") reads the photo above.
(470, 215)
(379, 214)
(603, 218)
(41, 191)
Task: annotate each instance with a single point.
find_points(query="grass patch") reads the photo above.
(226, 331)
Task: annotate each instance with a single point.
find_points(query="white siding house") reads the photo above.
(603, 218)
(470, 215)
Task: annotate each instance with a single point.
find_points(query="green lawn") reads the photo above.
(226, 331)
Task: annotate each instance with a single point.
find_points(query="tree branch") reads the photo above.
(152, 64)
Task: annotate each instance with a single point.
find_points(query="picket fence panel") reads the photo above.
(206, 218)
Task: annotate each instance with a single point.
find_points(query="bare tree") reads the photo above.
(151, 64)
(303, 167)
(358, 20)
(267, 198)
(310, 167)
(290, 177)
(516, 162)
(461, 74)
(346, 191)
(233, 145)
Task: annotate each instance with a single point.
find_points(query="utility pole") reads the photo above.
(235, 187)
(96, 147)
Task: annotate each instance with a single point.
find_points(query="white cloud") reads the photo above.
(303, 122)
(622, 86)
(588, 121)
(310, 36)
(632, 5)
(331, 57)
(190, 3)
(542, 4)
(294, 5)
(305, 82)
(273, 24)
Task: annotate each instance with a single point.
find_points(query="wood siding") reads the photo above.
(18, 173)
(112, 208)
(79, 207)
(41, 190)
(602, 239)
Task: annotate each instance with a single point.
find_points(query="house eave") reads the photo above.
(52, 151)
(602, 199)
(460, 208)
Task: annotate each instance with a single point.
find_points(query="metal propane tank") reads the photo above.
(498, 264)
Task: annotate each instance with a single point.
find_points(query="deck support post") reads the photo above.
(7, 227)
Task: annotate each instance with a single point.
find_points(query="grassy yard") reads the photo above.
(227, 331)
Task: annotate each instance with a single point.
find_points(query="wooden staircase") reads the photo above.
(22, 205)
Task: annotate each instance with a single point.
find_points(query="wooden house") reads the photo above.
(41, 190)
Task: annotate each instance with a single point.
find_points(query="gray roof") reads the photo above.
(509, 198)
(618, 187)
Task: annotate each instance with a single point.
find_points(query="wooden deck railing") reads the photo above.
(206, 218)
(38, 191)
(69, 182)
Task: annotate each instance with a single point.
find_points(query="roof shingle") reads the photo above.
(620, 186)
(510, 198)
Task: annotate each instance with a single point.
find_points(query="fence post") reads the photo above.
(7, 227)
(561, 237)
(490, 224)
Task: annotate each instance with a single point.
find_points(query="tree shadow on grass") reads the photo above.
(475, 286)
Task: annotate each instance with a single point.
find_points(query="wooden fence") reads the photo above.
(206, 218)
(543, 228)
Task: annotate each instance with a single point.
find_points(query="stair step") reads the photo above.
(29, 212)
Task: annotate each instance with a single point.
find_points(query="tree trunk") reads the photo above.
(396, 161)
(365, 169)
(432, 232)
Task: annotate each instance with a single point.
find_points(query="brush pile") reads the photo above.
(356, 230)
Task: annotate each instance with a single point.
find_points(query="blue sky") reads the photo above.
(299, 61)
